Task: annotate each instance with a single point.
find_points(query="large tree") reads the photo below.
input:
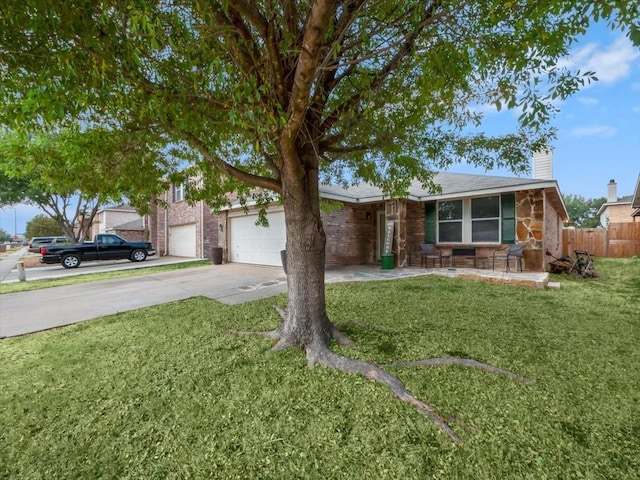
(43, 226)
(71, 173)
(279, 96)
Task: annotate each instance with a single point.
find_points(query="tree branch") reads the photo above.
(407, 45)
(315, 29)
(267, 30)
(256, 180)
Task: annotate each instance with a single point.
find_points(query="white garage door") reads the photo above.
(182, 240)
(249, 243)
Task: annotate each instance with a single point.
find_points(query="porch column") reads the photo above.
(396, 211)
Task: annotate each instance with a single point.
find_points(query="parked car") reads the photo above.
(37, 242)
(106, 246)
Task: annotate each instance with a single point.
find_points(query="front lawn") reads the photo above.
(168, 392)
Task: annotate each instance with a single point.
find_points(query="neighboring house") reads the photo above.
(133, 231)
(182, 229)
(483, 211)
(109, 220)
(616, 210)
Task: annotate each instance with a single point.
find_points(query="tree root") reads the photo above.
(324, 356)
(464, 362)
(319, 353)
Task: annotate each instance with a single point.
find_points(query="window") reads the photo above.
(485, 219)
(472, 220)
(450, 221)
(178, 192)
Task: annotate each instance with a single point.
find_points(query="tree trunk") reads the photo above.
(306, 323)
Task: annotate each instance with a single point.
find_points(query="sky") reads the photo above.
(598, 129)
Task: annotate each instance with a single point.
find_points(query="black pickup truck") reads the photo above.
(105, 247)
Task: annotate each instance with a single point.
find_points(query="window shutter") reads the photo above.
(508, 208)
(430, 222)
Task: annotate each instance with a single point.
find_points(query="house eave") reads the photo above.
(635, 201)
(550, 186)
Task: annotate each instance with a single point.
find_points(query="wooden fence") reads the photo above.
(620, 240)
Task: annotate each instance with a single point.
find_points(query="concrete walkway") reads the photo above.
(8, 263)
(232, 283)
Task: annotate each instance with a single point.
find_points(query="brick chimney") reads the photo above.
(612, 191)
(543, 165)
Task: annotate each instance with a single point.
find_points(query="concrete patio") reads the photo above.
(368, 272)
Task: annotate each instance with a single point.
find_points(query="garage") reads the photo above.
(182, 240)
(250, 243)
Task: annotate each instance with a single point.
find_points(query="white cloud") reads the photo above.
(587, 100)
(485, 108)
(609, 64)
(603, 131)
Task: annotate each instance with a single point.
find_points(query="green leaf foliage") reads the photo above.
(42, 226)
(257, 92)
(71, 172)
(583, 212)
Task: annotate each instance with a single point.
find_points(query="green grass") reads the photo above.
(167, 392)
(92, 277)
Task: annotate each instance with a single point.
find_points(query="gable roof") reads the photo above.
(454, 185)
(626, 200)
(132, 225)
(121, 207)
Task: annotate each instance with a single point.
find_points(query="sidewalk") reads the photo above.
(8, 263)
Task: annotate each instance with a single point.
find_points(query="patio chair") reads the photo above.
(428, 252)
(513, 252)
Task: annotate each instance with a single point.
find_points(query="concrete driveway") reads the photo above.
(27, 312)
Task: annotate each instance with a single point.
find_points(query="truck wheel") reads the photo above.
(71, 261)
(138, 256)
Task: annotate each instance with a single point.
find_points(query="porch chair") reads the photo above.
(428, 252)
(514, 252)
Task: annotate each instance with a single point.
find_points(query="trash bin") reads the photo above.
(388, 261)
(216, 255)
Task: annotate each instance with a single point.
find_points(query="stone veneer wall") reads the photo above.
(396, 211)
(530, 210)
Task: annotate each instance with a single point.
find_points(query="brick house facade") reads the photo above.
(532, 213)
(176, 213)
(617, 209)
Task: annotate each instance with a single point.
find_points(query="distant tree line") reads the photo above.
(583, 212)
